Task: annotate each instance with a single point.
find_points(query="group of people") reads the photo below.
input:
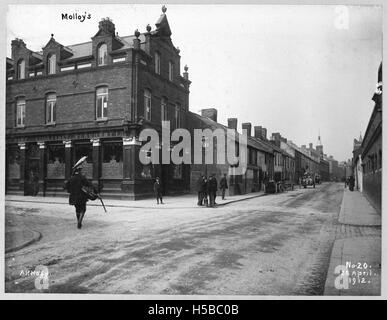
(207, 189)
(78, 197)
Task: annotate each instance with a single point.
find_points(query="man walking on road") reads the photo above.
(223, 185)
(78, 198)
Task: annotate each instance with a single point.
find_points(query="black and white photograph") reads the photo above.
(193, 150)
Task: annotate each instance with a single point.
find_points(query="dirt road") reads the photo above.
(272, 245)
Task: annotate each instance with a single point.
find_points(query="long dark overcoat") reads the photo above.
(74, 187)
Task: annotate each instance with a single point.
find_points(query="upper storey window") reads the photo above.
(21, 69)
(147, 104)
(102, 103)
(20, 112)
(51, 64)
(170, 73)
(157, 63)
(50, 108)
(102, 55)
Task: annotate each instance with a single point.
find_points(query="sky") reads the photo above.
(297, 70)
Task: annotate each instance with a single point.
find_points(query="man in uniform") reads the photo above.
(78, 198)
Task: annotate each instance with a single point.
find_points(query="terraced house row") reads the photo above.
(94, 98)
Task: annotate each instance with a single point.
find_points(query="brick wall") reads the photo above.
(75, 92)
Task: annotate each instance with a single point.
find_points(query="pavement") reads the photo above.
(18, 235)
(355, 263)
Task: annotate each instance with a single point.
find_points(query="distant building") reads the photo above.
(259, 155)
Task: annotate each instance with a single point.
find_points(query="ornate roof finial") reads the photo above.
(164, 9)
(148, 27)
(186, 68)
(137, 33)
(52, 35)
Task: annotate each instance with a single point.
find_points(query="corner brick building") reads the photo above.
(93, 99)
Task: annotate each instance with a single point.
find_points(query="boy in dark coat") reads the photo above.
(77, 197)
(158, 191)
(223, 185)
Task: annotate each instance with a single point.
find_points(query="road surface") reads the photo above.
(271, 245)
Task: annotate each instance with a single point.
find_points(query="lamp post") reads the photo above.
(205, 145)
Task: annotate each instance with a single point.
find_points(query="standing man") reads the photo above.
(78, 198)
(158, 191)
(212, 188)
(223, 185)
(201, 185)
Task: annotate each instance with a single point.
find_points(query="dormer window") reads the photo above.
(51, 64)
(102, 55)
(21, 69)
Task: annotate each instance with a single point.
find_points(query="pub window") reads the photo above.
(102, 54)
(20, 112)
(170, 73)
(102, 103)
(112, 152)
(21, 69)
(51, 64)
(157, 62)
(147, 171)
(51, 108)
(164, 114)
(147, 104)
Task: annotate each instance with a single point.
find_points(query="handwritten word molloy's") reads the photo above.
(76, 16)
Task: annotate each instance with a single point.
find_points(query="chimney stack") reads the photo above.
(232, 123)
(211, 113)
(310, 146)
(107, 26)
(136, 41)
(264, 133)
(258, 132)
(247, 126)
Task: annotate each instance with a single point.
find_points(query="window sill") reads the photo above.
(101, 120)
(20, 127)
(51, 124)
